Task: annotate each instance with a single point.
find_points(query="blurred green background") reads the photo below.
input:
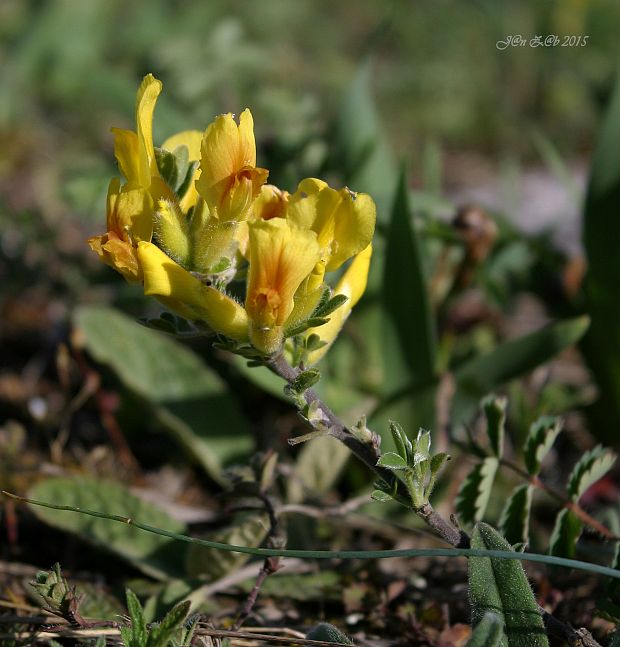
(343, 90)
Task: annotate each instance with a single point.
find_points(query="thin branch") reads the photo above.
(369, 454)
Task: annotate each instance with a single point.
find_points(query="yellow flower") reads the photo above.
(183, 293)
(344, 221)
(352, 285)
(192, 140)
(230, 179)
(281, 257)
(126, 226)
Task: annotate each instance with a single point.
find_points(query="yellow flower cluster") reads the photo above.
(196, 213)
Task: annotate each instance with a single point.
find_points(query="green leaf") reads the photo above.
(405, 295)
(592, 466)
(189, 399)
(325, 309)
(172, 622)
(488, 632)
(138, 624)
(381, 496)
(540, 439)
(475, 491)
(501, 587)
(305, 380)
(402, 443)
(601, 233)
(157, 556)
(514, 522)
(511, 359)
(494, 408)
(566, 532)
(329, 634)
(392, 461)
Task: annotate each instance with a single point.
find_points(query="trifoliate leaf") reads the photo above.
(514, 522)
(474, 494)
(540, 438)
(592, 466)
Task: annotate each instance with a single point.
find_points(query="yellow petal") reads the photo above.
(270, 203)
(229, 180)
(354, 226)
(168, 281)
(133, 214)
(281, 257)
(148, 92)
(352, 285)
(343, 221)
(126, 151)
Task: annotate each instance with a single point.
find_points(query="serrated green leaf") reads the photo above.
(566, 532)
(592, 466)
(157, 556)
(514, 521)
(392, 461)
(488, 632)
(494, 408)
(189, 399)
(511, 359)
(475, 491)
(540, 439)
(501, 586)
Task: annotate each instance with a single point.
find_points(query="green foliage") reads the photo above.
(187, 397)
(475, 491)
(57, 595)
(501, 587)
(414, 464)
(592, 466)
(161, 634)
(329, 634)
(540, 439)
(488, 632)
(566, 532)
(514, 521)
(154, 555)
